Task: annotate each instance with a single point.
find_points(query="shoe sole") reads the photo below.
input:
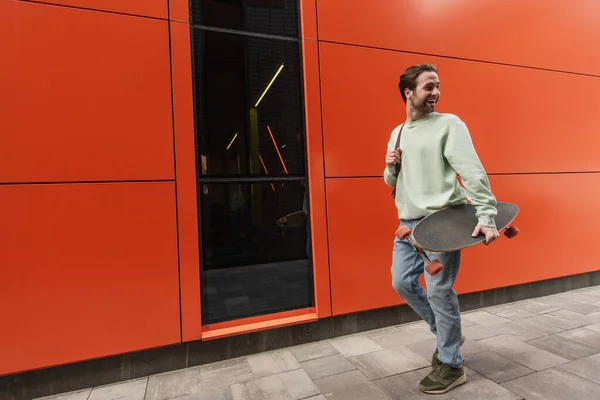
(458, 382)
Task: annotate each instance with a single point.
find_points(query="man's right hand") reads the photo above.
(393, 157)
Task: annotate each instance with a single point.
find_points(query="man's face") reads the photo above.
(427, 93)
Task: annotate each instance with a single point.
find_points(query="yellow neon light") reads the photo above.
(269, 85)
(232, 140)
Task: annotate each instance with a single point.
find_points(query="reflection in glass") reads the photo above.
(249, 105)
(251, 160)
(256, 249)
(273, 17)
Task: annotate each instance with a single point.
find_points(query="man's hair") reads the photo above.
(408, 80)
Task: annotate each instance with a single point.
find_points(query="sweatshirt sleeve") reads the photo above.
(389, 174)
(461, 154)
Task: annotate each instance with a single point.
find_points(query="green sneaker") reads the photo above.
(442, 379)
(434, 358)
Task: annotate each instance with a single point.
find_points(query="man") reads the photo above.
(434, 149)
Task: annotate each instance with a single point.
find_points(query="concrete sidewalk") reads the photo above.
(543, 348)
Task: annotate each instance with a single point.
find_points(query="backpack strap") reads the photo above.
(397, 147)
(397, 166)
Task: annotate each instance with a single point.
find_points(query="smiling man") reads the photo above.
(434, 149)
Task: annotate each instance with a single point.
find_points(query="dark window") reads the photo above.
(250, 121)
(252, 264)
(251, 160)
(273, 17)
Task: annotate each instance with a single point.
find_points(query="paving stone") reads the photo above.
(552, 301)
(78, 395)
(553, 384)
(594, 317)
(265, 388)
(563, 347)
(273, 362)
(478, 332)
(587, 319)
(425, 349)
(298, 384)
(319, 397)
(578, 297)
(222, 393)
(495, 367)
(405, 387)
(418, 329)
(174, 384)
(312, 351)
(551, 320)
(484, 318)
(537, 307)
(292, 385)
(582, 308)
(523, 353)
(593, 291)
(130, 390)
(588, 367)
(352, 385)
(510, 311)
(326, 366)
(583, 336)
(479, 387)
(387, 338)
(595, 327)
(539, 325)
(516, 331)
(225, 373)
(388, 362)
(355, 345)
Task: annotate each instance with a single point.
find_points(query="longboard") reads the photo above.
(292, 220)
(450, 229)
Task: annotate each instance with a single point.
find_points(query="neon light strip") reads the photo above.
(277, 148)
(230, 143)
(265, 167)
(269, 85)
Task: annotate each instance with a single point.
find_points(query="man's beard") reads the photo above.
(422, 106)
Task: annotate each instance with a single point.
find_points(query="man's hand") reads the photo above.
(490, 233)
(393, 157)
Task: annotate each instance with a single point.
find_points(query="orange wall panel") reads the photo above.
(178, 10)
(558, 35)
(519, 118)
(146, 8)
(308, 14)
(362, 220)
(187, 206)
(85, 95)
(558, 221)
(316, 177)
(88, 270)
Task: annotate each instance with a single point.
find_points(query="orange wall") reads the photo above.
(89, 252)
(99, 251)
(530, 109)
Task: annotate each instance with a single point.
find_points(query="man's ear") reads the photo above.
(407, 93)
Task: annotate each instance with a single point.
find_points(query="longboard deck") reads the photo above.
(450, 229)
(293, 220)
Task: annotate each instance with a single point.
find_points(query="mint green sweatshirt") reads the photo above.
(435, 149)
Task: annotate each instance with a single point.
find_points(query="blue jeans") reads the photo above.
(438, 306)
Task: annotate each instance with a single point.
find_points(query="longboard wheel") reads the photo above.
(403, 232)
(511, 232)
(434, 267)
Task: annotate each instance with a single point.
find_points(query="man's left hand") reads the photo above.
(490, 233)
